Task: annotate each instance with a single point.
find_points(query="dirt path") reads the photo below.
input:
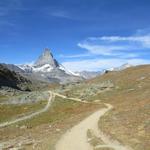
(76, 138)
(31, 115)
(71, 98)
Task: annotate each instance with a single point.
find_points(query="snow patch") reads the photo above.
(68, 71)
(124, 66)
(44, 68)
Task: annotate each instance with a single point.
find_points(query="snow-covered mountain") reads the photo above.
(45, 63)
(122, 67)
(88, 74)
(93, 74)
(47, 68)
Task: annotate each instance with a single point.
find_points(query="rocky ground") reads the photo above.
(85, 90)
(20, 97)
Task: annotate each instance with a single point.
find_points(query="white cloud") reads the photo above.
(98, 64)
(111, 51)
(116, 45)
(60, 14)
(143, 40)
(102, 49)
(75, 56)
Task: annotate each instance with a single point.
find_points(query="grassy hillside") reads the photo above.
(129, 92)
(129, 121)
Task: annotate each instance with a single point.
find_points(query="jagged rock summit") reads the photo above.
(46, 58)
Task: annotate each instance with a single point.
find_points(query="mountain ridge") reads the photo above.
(48, 69)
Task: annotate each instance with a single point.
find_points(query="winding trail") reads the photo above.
(31, 115)
(76, 137)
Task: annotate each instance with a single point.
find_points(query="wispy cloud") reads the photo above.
(143, 41)
(116, 45)
(8, 9)
(75, 56)
(99, 64)
(111, 51)
(102, 49)
(60, 14)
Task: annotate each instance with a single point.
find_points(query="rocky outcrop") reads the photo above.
(12, 79)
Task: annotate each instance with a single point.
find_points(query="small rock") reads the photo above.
(142, 78)
(29, 127)
(139, 86)
(29, 143)
(130, 89)
(10, 147)
(34, 145)
(23, 127)
(19, 144)
(58, 130)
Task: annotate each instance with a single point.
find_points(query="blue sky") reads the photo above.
(82, 34)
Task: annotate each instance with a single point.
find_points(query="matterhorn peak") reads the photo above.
(46, 59)
(47, 52)
(46, 68)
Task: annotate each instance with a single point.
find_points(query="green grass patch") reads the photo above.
(11, 111)
(60, 110)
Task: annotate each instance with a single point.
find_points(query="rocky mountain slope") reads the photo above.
(12, 79)
(88, 74)
(13, 67)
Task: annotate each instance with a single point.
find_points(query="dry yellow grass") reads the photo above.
(129, 121)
